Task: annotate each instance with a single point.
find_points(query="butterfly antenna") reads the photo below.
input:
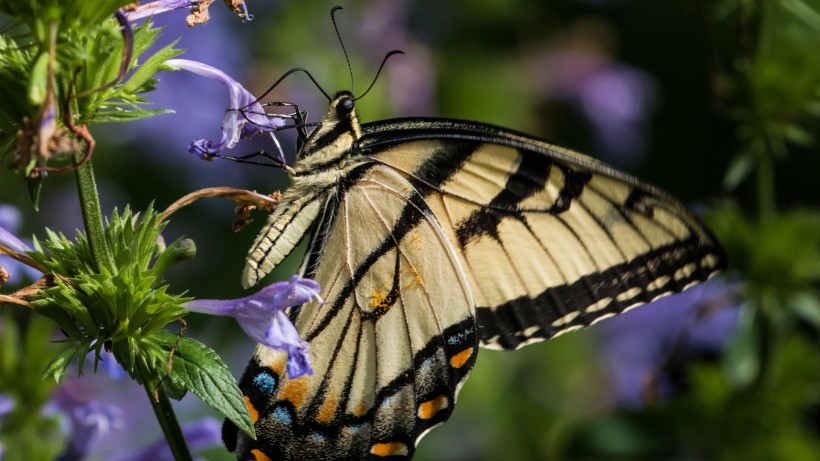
(344, 50)
(384, 61)
(276, 83)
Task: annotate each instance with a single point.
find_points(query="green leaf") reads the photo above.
(200, 370)
(122, 116)
(742, 363)
(806, 305)
(35, 186)
(174, 389)
(149, 68)
(739, 169)
(56, 369)
(38, 81)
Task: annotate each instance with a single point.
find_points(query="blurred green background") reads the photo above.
(710, 100)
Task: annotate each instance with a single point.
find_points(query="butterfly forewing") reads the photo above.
(391, 346)
(550, 240)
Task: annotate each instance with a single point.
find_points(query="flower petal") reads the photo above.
(8, 239)
(215, 306)
(244, 118)
(299, 360)
(90, 420)
(157, 7)
(262, 316)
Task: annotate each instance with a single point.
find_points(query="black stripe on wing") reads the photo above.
(281, 435)
(443, 163)
(567, 307)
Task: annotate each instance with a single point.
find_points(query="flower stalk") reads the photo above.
(165, 414)
(92, 217)
(104, 259)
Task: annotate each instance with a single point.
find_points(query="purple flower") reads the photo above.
(200, 435)
(615, 98)
(640, 345)
(6, 405)
(262, 316)
(157, 7)
(10, 222)
(244, 118)
(108, 364)
(89, 420)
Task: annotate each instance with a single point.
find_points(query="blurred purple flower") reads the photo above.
(157, 7)
(89, 420)
(616, 99)
(262, 316)
(411, 77)
(200, 435)
(640, 343)
(10, 222)
(6, 405)
(244, 118)
(108, 364)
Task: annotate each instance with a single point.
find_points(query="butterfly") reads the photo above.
(432, 238)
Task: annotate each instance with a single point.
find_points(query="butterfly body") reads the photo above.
(430, 238)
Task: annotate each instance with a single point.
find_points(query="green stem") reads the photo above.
(92, 217)
(165, 414)
(765, 184)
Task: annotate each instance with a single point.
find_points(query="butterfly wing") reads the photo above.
(390, 347)
(550, 240)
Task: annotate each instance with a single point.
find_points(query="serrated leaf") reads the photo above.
(150, 67)
(174, 389)
(202, 371)
(56, 368)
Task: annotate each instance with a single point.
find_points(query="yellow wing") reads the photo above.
(550, 240)
(391, 346)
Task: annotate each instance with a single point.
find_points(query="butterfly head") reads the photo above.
(336, 133)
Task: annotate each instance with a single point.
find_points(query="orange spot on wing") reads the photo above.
(259, 456)
(360, 409)
(328, 410)
(251, 409)
(378, 299)
(458, 360)
(295, 390)
(389, 449)
(429, 408)
(278, 364)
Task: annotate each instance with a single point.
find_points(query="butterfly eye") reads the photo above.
(344, 107)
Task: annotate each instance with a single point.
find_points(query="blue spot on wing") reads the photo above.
(282, 414)
(458, 338)
(356, 428)
(265, 382)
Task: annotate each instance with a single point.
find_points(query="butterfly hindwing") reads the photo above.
(391, 345)
(551, 240)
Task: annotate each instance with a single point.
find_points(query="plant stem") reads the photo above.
(765, 182)
(92, 217)
(165, 414)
